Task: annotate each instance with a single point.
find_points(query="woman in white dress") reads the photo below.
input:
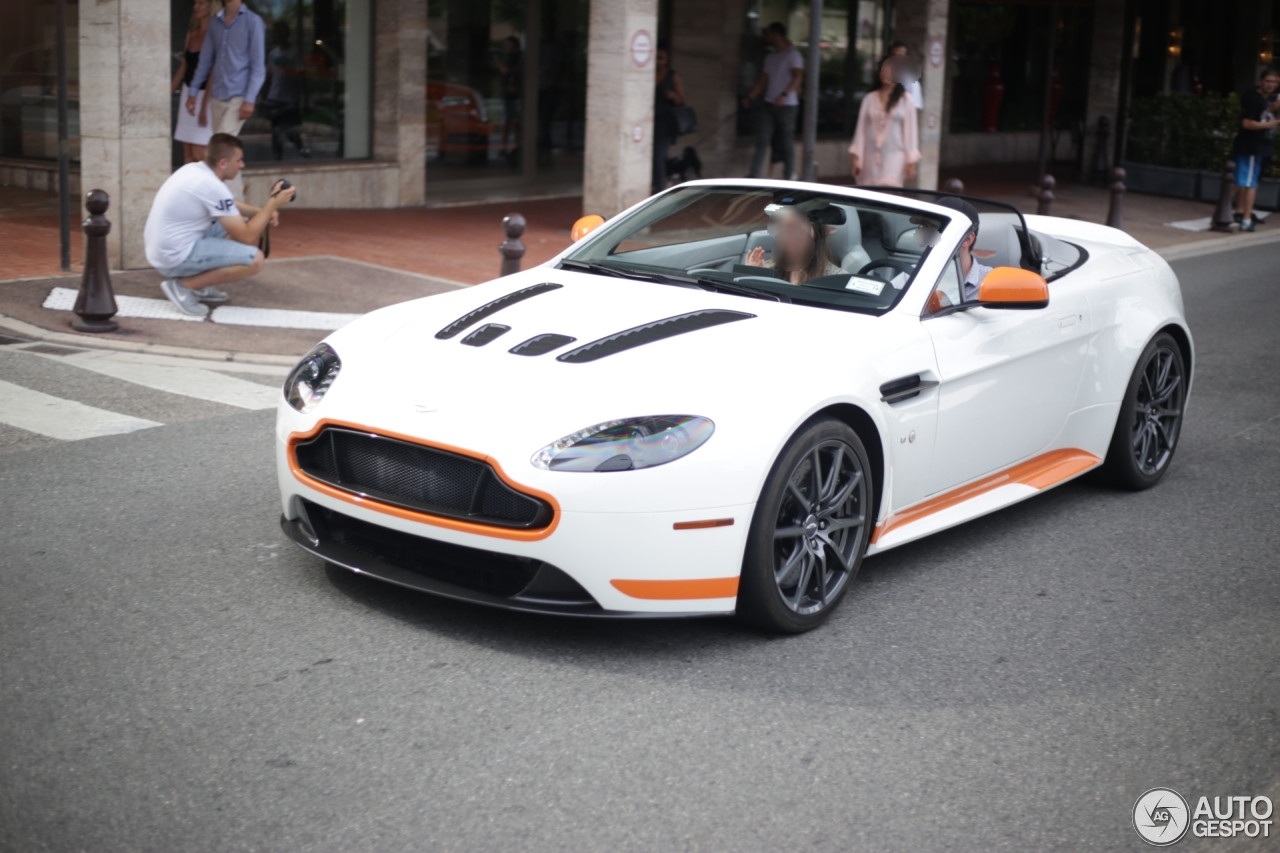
(193, 131)
(886, 145)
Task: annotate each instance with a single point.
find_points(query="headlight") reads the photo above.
(626, 445)
(308, 382)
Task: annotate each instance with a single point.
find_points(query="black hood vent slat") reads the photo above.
(486, 333)
(650, 332)
(541, 344)
(491, 308)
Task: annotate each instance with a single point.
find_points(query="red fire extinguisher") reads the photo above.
(992, 97)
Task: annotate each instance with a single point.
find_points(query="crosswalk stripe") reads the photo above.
(64, 299)
(187, 381)
(55, 417)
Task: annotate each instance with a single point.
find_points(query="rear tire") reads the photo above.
(809, 531)
(1150, 420)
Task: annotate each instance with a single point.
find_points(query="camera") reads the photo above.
(284, 185)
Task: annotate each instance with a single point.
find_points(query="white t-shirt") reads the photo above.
(916, 94)
(187, 204)
(777, 70)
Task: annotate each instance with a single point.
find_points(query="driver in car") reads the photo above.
(799, 241)
(971, 269)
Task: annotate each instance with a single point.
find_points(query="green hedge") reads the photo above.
(1183, 131)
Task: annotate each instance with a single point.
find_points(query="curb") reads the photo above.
(1226, 243)
(91, 342)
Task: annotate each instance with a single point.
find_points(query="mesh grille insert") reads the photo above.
(418, 477)
(648, 333)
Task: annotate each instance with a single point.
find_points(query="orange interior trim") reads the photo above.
(415, 515)
(679, 590)
(702, 525)
(1012, 284)
(1040, 472)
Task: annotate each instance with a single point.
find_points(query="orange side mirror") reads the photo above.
(585, 225)
(1012, 287)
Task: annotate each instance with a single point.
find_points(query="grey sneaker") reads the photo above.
(183, 297)
(211, 295)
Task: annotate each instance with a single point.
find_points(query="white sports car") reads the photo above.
(722, 399)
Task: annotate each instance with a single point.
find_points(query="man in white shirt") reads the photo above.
(196, 234)
(970, 268)
(780, 83)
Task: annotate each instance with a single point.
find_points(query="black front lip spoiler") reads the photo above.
(362, 564)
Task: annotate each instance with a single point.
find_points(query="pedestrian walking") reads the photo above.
(193, 128)
(886, 145)
(668, 95)
(234, 53)
(1256, 121)
(779, 82)
(283, 102)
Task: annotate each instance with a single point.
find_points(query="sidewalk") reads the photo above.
(327, 264)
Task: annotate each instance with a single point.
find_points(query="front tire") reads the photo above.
(809, 532)
(1150, 420)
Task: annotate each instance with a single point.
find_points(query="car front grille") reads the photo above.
(418, 477)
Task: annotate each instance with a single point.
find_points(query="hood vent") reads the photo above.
(651, 332)
(490, 308)
(485, 334)
(541, 344)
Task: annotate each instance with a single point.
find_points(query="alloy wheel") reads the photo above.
(817, 536)
(1158, 411)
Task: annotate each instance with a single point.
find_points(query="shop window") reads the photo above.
(998, 64)
(316, 102)
(29, 80)
(853, 41)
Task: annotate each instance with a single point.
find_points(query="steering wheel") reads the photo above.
(895, 263)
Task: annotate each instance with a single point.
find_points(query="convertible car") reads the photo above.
(661, 421)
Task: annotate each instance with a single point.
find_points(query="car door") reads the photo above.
(1008, 380)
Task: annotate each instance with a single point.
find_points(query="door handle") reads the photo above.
(904, 388)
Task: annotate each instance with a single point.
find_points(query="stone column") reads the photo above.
(706, 37)
(400, 94)
(922, 25)
(124, 114)
(619, 135)
(1106, 56)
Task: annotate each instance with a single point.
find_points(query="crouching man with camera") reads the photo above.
(198, 236)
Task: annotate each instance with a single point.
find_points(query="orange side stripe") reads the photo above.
(424, 517)
(1040, 472)
(679, 590)
(701, 525)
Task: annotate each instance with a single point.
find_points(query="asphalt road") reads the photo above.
(176, 676)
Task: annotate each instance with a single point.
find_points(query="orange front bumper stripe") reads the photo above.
(679, 590)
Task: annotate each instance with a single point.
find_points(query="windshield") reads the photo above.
(806, 247)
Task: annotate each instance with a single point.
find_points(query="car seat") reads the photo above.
(997, 244)
(845, 242)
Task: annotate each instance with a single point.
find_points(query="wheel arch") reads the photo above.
(857, 419)
(1183, 340)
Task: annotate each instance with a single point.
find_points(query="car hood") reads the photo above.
(766, 360)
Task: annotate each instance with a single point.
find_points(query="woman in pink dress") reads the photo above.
(886, 144)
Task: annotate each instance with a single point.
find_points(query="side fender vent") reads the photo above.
(491, 308)
(650, 332)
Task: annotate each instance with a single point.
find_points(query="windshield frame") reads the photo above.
(861, 197)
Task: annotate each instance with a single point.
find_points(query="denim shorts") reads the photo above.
(1247, 168)
(213, 251)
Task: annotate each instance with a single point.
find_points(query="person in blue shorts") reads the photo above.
(198, 236)
(1256, 123)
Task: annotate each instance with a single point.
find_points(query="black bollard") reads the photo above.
(1100, 150)
(511, 249)
(1045, 198)
(953, 185)
(1115, 214)
(1224, 214)
(96, 304)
